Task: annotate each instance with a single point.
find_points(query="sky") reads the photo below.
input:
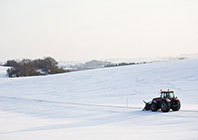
(75, 30)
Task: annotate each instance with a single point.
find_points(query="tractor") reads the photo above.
(165, 102)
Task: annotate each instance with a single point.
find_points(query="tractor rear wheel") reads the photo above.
(154, 106)
(176, 105)
(165, 106)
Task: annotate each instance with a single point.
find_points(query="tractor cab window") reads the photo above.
(163, 95)
(169, 95)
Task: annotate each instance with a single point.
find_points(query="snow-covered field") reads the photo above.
(92, 104)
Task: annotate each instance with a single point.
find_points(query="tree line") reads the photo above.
(28, 67)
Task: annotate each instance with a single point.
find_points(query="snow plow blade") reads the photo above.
(147, 106)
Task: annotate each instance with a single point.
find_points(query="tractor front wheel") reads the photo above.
(154, 106)
(165, 106)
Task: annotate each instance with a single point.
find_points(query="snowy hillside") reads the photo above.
(3, 73)
(92, 104)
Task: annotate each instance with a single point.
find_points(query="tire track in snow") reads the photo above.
(67, 103)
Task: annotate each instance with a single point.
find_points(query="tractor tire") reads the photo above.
(165, 106)
(154, 107)
(176, 105)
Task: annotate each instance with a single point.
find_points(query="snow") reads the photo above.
(92, 104)
(3, 73)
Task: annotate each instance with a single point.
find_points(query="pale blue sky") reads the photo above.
(97, 29)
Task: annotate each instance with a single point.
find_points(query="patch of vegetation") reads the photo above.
(27, 67)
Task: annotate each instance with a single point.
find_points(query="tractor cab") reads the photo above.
(167, 94)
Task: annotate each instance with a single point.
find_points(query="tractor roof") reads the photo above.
(168, 91)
